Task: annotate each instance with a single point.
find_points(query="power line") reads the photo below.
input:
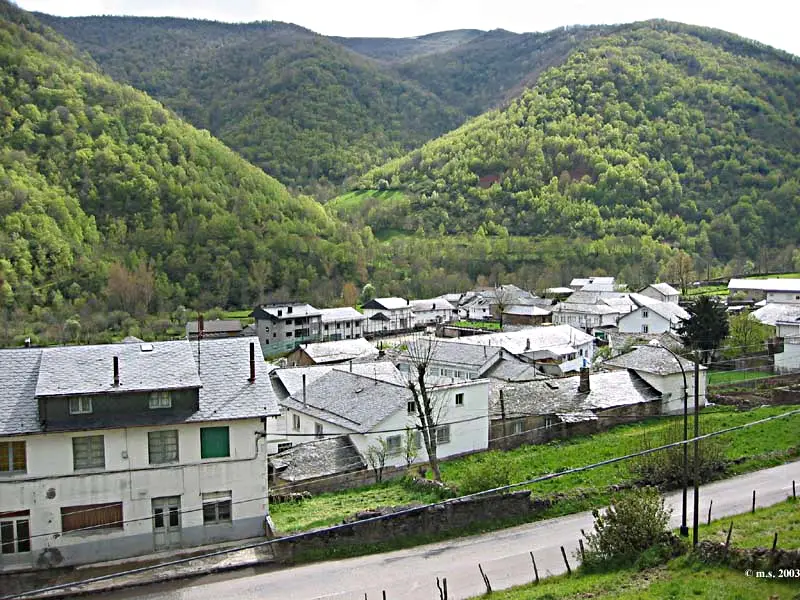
(332, 528)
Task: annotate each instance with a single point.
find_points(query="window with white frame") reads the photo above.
(394, 445)
(411, 407)
(645, 313)
(548, 422)
(517, 427)
(217, 508)
(162, 446)
(318, 431)
(443, 434)
(645, 328)
(296, 422)
(80, 406)
(161, 399)
(460, 399)
(88, 452)
(15, 532)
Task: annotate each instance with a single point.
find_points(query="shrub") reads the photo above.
(483, 475)
(634, 528)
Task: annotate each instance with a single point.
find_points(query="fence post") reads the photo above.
(442, 592)
(775, 541)
(728, 538)
(535, 570)
(583, 554)
(794, 490)
(710, 504)
(754, 501)
(566, 562)
(485, 579)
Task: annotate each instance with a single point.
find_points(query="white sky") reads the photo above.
(774, 22)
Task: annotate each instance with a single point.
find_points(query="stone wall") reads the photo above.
(748, 558)
(454, 515)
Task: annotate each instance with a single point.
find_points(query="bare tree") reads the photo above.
(428, 404)
(376, 458)
(410, 450)
(501, 297)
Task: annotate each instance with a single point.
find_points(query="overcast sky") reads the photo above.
(774, 22)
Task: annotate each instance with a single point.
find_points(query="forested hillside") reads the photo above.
(307, 110)
(110, 203)
(688, 135)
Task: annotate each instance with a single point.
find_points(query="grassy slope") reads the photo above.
(682, 577)
(752, 445)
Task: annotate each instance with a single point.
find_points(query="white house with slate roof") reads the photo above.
(433, 311)
(662, 291)
(120, 450)
(651, 316)
(344, 323)
(385, 315)
(366, 408)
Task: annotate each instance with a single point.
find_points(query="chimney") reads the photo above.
(116, 371)
(583, 386)
(351, 366)
(304, 389)
(252, 362)
(527, 344)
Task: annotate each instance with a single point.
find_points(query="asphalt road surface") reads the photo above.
(411, 574)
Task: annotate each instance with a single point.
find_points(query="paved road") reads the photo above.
(411, 574)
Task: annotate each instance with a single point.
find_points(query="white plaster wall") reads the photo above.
(788, 297)
(306, 433)
(672, 385)
(789, 359)
(51, 483)
(632, 322)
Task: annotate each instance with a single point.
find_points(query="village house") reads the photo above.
(475, 308)
(772, 290)
(553, 349)
(387, 315)
(332, 352)
(651, 316)
(344, 323)
(282, 326)
(788, 333)
(536, 412)
(433, 311)
(521, 314)
(599, 283)
(664, 372)
(119, 450)
(663, 292)
(215, 328)
(449, 359)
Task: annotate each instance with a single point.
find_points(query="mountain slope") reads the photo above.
(305, 109)
(108, 196)
(687, 134)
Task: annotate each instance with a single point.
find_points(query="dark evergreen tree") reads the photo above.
(706, 327)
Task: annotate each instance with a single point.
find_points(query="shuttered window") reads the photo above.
(88, 452)
(12, 457)
(162, 446)
(91, 516)
(214, 442)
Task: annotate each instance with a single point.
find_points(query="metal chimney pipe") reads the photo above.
(116, 371)
(304, 389)
(252, 362)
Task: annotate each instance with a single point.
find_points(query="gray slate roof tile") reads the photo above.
(19, 370)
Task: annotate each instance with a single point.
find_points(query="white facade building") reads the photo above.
(344, 323)
(385, 315)
(433, 311)
(663, 292)
(100, 463)
(653, 317)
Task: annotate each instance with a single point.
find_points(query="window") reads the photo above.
(283, 446)
(15, 532)
(214, 442)
(92, 516)
(517, 427)
(162, 446)
(460, 399)
(318, 433)
(288, 321)
(12, 457)
(80, 406)
(443, 434)
(411, 407)
(296, 422)
(548, 422)
(160, 400)
(216, 508)
(645, 328)
(394, 445)
(645, 314)
(88, 452)
(288, 334)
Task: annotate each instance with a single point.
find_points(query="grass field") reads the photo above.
(728, 377)
(685, 577)
(756, 448)
(491, 326)
(238, 314)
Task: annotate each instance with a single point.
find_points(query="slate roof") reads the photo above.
(431, 304)
(454, 353)
(76, 370)
(669, 310)
(270, 311)
(665, 289)
(559, 290)
(510, 368)
(766, 285)
(619, 340)
(561, 397)
(773, 312)
(340, 351)
(540, 338)
(19, 371)
(526, 310)
(212, 326)
(317, 459)
(392, 303)
(291, 379)
(651, 359)
(344, 313)
(227, 392)
(351, 401)
(585, 309)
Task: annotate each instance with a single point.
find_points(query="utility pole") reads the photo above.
(696, 448)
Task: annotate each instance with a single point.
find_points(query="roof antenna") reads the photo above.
(199, 337)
